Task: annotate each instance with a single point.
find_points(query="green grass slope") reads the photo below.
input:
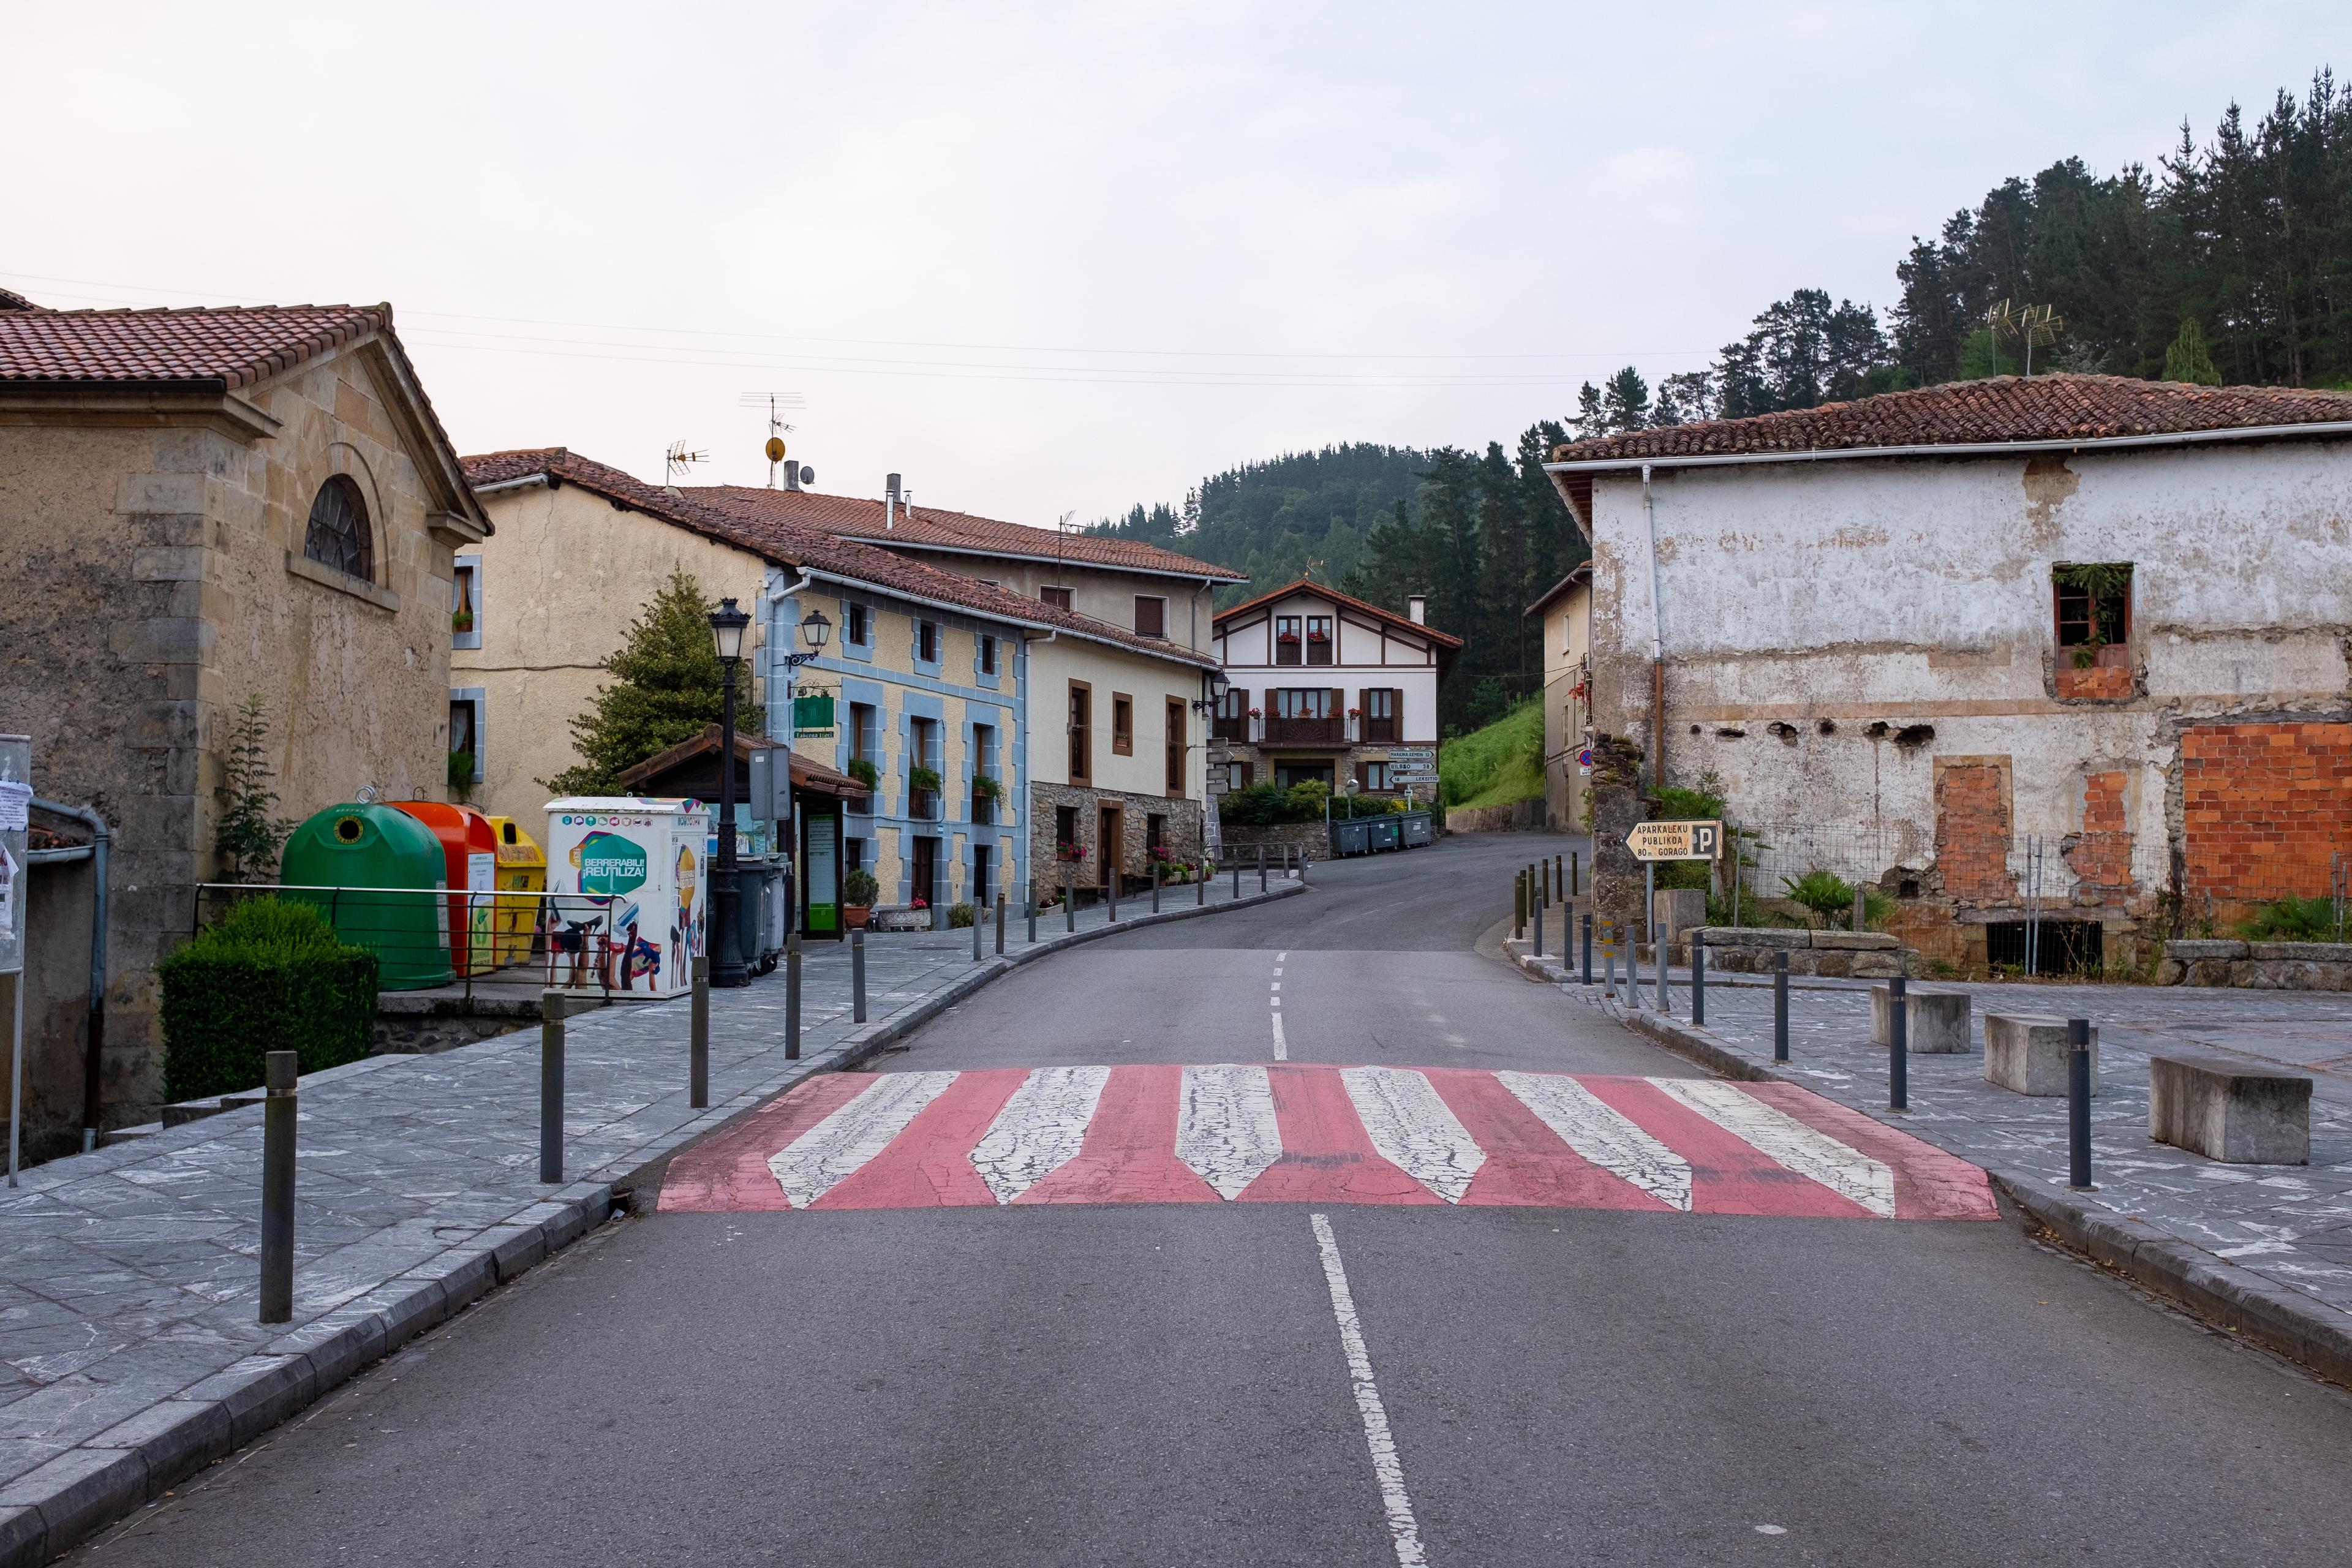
(1503, 762)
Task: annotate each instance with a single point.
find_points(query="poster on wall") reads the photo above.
(822, 863)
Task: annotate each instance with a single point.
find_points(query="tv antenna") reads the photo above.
(675, 462)
(776, 402)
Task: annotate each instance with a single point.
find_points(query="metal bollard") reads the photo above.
(1110, 885)
(278, 1118)
(1537, 949)
(1519, 907)
(1633, 968)
(698, 1051)
(1698, 980)
(1029, 907)
(1588, 948)
(1898, 1046)
(975, 933)
(1658, 952)
(857, 972)
(1609, 954)
(1575, 876)
(1558, 882)
(1261, 867)
(1237, 877)
(1155, 887)
(1285, 862)
(2078, 1103)
(1070, 907)
(1200, 882)
(1543, 882)
(999, 925)
(793, 997)
(1781, 1006)
(550, 1085)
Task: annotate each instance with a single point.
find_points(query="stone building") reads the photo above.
(1919, 635)
(1564, 618)
(196, 506)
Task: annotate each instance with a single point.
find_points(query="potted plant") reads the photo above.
(859, 891)
(925, 779)
(986, 787)
(865, 772)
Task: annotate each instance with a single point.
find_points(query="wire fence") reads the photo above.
(425, 939)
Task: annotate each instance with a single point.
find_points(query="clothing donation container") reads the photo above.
(629, 892)
(522, 869)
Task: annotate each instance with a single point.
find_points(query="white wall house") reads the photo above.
(1873, 623)
(1325, 686)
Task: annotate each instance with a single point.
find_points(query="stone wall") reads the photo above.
(1870, 956)
(1312, 839)
(1181, 833)
(2258, 965)
(1511, 816)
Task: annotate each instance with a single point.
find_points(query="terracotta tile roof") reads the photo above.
(1324, 591)
(2000, 410)
(228, 348)
(916, 527)
(12, 300)
(752, 520)
(806, 773)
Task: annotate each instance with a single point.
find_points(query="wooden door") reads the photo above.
(925, 872)
(1111, 845)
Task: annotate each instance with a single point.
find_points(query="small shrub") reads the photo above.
(1831, 896)
(865, 772)
(924, 779)
(987, 787)
(859, 890)
(2293, 920)
(270, 977)
(960, 915)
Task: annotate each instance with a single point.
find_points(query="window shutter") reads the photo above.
(1396, 711)
(1363, 776)
(1339, 705)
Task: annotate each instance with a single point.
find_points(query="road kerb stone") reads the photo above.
(2208, 1287)
(79, 1491)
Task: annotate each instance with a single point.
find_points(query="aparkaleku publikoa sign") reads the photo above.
(1676, 840)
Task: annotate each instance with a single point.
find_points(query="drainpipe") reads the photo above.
(1657, 646)
(99, 839)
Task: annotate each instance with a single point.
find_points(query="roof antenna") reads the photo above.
(776, 402)
(674, 464)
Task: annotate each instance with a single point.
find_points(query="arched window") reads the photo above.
(338, 535)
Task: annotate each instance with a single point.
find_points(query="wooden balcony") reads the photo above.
(1305, 731)
(1230, 730)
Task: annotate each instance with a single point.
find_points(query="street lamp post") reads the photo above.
(726, 627)
(816, 629)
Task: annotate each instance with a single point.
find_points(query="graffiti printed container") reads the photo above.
(629, 890)
(372, 871)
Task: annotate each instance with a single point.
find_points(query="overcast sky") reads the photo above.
(1045, 259)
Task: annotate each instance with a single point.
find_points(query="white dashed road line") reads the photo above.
(1386, 1470)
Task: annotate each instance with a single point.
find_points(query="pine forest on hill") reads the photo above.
(2229, 263)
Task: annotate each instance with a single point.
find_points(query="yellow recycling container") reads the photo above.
(522, 868)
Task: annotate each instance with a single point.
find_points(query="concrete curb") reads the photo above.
(2234, 1299)
(48, 1509)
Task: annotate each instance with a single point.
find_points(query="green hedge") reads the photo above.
(270, 977)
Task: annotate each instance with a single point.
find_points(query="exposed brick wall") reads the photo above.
(2100, 682)
(2264, 807)
(2102, 855)
(1973, 829)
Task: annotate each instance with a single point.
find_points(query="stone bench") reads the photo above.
(2230, 1111)
(2025, 1053)
(1936, 1021)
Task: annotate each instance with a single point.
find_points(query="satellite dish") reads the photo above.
(775, 448)
(808, 475)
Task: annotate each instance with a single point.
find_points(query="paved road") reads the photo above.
(1294, 1383)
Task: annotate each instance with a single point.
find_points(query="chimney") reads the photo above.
(890, 504)
(1416, 608)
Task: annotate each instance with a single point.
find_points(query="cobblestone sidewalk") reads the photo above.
(129, 1353)
(2289, 1225)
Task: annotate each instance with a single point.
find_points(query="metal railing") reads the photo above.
(506, 940)
(1282, 732)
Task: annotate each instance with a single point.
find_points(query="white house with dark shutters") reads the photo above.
(1325, 686)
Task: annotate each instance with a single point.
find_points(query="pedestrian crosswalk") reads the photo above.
(1292, 1132)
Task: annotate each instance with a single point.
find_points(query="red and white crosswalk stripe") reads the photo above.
(1292, 1132)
